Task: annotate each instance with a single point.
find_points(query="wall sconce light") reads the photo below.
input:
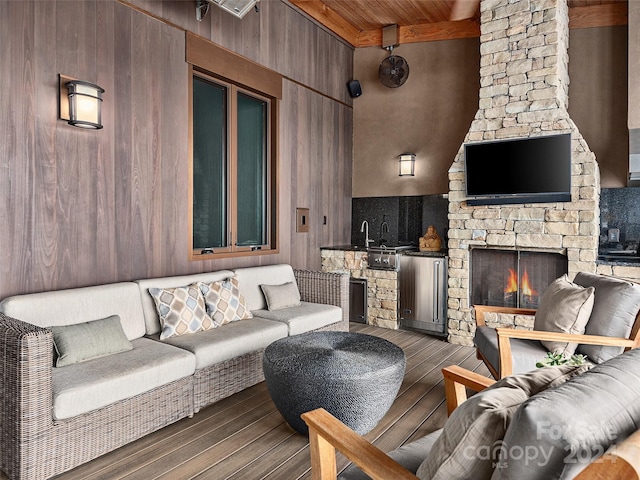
(407, 164)
(80, 103)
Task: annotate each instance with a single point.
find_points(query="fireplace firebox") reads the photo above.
(513, 278)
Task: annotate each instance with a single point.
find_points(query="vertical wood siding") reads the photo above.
(89, 207)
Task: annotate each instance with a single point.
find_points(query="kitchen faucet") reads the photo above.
(365, 228)
(383, 228)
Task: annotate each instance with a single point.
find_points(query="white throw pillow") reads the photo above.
(281, 296)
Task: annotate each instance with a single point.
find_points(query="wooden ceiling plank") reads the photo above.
(330, 19)
(360, 22)
(603, 15)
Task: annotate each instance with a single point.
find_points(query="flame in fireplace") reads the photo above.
(525, 284)
(512, 282)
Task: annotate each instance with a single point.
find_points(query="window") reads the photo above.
(234, 157)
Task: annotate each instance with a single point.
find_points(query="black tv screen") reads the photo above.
(527, 170)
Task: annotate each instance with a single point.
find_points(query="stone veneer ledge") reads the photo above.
(524, 83)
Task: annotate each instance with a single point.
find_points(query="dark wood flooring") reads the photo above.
(245, 437)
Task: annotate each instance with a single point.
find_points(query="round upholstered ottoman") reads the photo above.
(353, 376)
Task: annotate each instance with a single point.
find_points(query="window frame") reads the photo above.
(239, 75)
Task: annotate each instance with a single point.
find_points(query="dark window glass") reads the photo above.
(210, 171)
(252, 171)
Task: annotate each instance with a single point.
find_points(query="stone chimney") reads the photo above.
(524, 84)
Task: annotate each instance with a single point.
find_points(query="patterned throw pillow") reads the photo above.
(224, 301)
(181, 310)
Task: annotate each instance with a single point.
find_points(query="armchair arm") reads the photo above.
(620, 461)
(325, 287)
(504, 346)
(326, 433)
(456, 381)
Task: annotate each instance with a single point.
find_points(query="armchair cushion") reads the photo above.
(525, 353)
(574, 423)
(615, 307)
(472, 434)
(564, 307)
(410, 456)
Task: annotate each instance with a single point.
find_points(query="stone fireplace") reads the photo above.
(524, 84)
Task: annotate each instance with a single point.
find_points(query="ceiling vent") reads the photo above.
(237, 8)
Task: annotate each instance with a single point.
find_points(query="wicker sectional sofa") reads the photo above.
(54, 419)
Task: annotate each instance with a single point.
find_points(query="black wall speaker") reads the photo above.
(355, 90)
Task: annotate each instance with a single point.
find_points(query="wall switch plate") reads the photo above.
(302, 220)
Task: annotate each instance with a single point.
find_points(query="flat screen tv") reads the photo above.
(527, 170)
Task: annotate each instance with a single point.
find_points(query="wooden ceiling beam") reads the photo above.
(426, 32)
(602, 15)
(605, 15)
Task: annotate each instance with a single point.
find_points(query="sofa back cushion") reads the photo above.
(251, 278)
(615, 307)
(556, 433)
(150, 312)
(79, 305)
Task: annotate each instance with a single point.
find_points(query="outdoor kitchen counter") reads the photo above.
(440, 253)
(346, 248)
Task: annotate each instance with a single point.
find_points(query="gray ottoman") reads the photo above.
(354, 377)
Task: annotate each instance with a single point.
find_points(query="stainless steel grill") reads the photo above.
(385, 257)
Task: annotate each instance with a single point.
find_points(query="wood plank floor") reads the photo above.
(245, 437)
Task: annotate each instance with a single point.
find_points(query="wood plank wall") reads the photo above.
(89, 207)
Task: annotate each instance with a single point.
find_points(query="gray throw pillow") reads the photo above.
(281, 296)
(565, 307)
(615, 307)
(469, 444)
(84, 341)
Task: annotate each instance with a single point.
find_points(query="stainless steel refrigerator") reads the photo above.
(423, 293)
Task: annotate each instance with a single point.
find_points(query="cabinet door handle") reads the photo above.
(436, 291)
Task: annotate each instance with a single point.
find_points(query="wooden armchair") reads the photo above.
(504, 336)
(326, 434)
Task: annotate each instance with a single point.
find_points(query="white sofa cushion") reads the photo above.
(79, 305)
(230, 340)
(151, 319)
(251, 278)
(96, 383)
(304, 317)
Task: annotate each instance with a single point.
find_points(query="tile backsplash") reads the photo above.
(620, 208)
(407, 218)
